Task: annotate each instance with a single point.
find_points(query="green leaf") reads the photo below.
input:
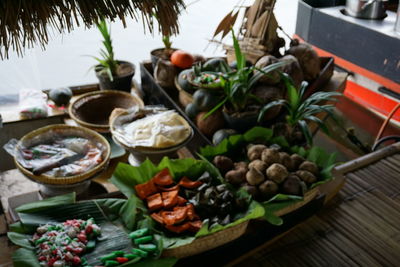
(220, 104)
(258, 134)
(281, 141)
(319, 122)
(271, 104)
(265, 72)
(47, 203)
(293, 95)
(162, 262)
(240, 58)
(306, 131)
(129, 176)
(25, 258)
(21, 240)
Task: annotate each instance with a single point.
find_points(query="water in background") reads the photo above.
(65, 62)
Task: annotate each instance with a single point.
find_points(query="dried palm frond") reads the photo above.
(24, 23)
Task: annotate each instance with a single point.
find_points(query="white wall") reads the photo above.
(64, 62)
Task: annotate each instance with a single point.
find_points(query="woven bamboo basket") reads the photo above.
(225, 236)
(44, 133)
(309, 195)
(92, 110)
(207, 242)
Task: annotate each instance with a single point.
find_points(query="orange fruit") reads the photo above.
(182, 59)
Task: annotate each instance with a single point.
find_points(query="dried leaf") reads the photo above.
(231, 23)
(223, 24)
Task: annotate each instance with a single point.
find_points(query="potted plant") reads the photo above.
(112, 74)
(239, 105)
(300, 111)
(162, 53)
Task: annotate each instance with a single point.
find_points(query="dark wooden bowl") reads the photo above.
(92, 110)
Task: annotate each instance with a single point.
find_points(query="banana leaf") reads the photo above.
(126, 177)
(116, 217)
(234, 147)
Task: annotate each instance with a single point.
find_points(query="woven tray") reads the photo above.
(66, 130)
(207, 242)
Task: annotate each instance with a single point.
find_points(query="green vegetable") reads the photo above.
(111, 263)
(139, 233)
(148, 247)
(140, 253)
(143, 240)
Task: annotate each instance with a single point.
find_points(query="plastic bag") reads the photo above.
(56, 155)
(32, 104)
(151, 127)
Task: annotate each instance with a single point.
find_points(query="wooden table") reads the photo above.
(14, 183)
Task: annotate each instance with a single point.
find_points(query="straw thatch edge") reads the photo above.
(24, 23)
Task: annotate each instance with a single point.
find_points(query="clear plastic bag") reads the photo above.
(32, 104)
(151, 127)
(60, 156)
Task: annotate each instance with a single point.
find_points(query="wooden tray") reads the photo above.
(172, 98)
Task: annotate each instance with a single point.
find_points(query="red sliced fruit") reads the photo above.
(178, 228)
(190, 212)
(181, 201)
(174, 217)
(163, 178)
(146, 189)
(170, 199)
(195, 226)
(187, 183)
(157, 217)
(155, 202)
(166, 189)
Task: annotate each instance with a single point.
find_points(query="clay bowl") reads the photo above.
(92, 110)
(52, 185)
(140, 154)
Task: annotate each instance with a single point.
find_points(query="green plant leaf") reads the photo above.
(306, 131)
(129, 176)
(21, 240)
(280, 102)
(47, 203)
(25, 258)
(218, 106)
(319, 122)
(265, 72)
(258, 134)
(293, 95)
(240, 58)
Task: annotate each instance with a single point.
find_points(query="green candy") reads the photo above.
(143, 240)
(112, 256)
(119, 253)
(139, 233)
(110, 263)
(132, 256)
(40, 240)
(107, 257)
(90, 245)
(139, 252)
(148, 247)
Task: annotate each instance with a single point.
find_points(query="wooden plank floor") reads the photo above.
(360, 227)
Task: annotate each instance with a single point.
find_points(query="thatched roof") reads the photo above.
(24, 23)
